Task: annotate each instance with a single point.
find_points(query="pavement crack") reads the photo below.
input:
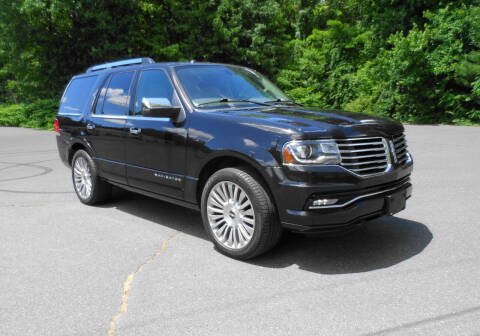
(130, 278)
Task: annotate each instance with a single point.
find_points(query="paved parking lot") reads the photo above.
(70, 269)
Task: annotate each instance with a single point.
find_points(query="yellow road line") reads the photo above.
(127, 283)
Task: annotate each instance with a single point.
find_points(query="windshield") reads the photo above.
(211, 85)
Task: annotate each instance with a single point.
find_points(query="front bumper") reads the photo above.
(359, 199)
(363, 207)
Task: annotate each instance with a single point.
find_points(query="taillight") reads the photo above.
(57, 128)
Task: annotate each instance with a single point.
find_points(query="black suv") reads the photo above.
(225, 140)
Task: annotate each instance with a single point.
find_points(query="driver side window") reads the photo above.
(153, 84)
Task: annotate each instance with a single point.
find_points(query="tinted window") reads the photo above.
(117, 94)
(77, 95)
(153, 84)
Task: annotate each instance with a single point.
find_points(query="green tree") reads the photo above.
(413, 60)
(252, 32)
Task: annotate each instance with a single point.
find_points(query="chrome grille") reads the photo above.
(364, 156)
(400, 144)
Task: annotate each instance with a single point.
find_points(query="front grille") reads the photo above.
(364, 156)
(400, 144)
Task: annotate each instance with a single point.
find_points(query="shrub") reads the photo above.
(39, 114)
(428, 74)
(12, 115)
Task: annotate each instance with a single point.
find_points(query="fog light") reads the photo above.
(324, 201)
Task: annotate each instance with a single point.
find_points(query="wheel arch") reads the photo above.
(230, 160)
(75, 147)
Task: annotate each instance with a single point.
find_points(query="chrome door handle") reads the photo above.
(135, 131)
(90, 126)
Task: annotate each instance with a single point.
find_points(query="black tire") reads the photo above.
(267, 230)
(100, 190)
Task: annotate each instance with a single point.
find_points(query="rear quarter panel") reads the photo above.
(72, 125)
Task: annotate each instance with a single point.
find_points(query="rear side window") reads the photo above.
(77, 95)
(115, 99)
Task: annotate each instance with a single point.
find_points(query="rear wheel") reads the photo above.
(238, 214)
(89, 187)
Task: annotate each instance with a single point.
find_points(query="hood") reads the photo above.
(314, 122)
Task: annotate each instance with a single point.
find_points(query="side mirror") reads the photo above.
(159, 108)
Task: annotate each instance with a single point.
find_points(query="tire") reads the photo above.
(84, 170)
(235, 230)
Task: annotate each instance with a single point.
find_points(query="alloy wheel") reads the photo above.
(82, 178)
(230, 215)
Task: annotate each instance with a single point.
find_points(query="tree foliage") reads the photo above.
(413, 60)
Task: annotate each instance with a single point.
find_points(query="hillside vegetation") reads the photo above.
(413, 60)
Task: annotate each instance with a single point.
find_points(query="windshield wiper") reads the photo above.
(229, 100)
(282, 101)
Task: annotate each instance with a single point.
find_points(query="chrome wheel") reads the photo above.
(82, 178)
(230, 215)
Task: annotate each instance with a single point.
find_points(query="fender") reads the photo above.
(260, 159)
(249, 159)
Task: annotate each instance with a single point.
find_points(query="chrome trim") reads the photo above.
(365, 156)
(108, 116)
(128, 117)
(147, 118)
(359, 138)
(363, 163)
(389, 168)
(362, 144)
(69, 114)
(363, 150)
(393, 153)
(401, 148)
(383, 161)
(353, 200)
(370, 168)
(135, 131)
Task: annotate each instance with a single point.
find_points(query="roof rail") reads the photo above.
(131, 61)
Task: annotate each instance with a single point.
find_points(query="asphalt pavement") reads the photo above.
(139, 266)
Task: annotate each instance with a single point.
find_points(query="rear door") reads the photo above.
(155, 147)
(106, 129)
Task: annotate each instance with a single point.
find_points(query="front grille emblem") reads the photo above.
(392, 151)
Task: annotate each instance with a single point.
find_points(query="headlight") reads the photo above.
(311, 152)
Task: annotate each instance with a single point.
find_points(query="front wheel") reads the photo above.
(88, 186)
(238, 214)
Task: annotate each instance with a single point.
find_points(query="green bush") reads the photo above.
(426, 76)
(431, 74)
(39, 114)
(12, 115)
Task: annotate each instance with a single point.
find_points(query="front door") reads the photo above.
(155, 147)
(106, 131)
